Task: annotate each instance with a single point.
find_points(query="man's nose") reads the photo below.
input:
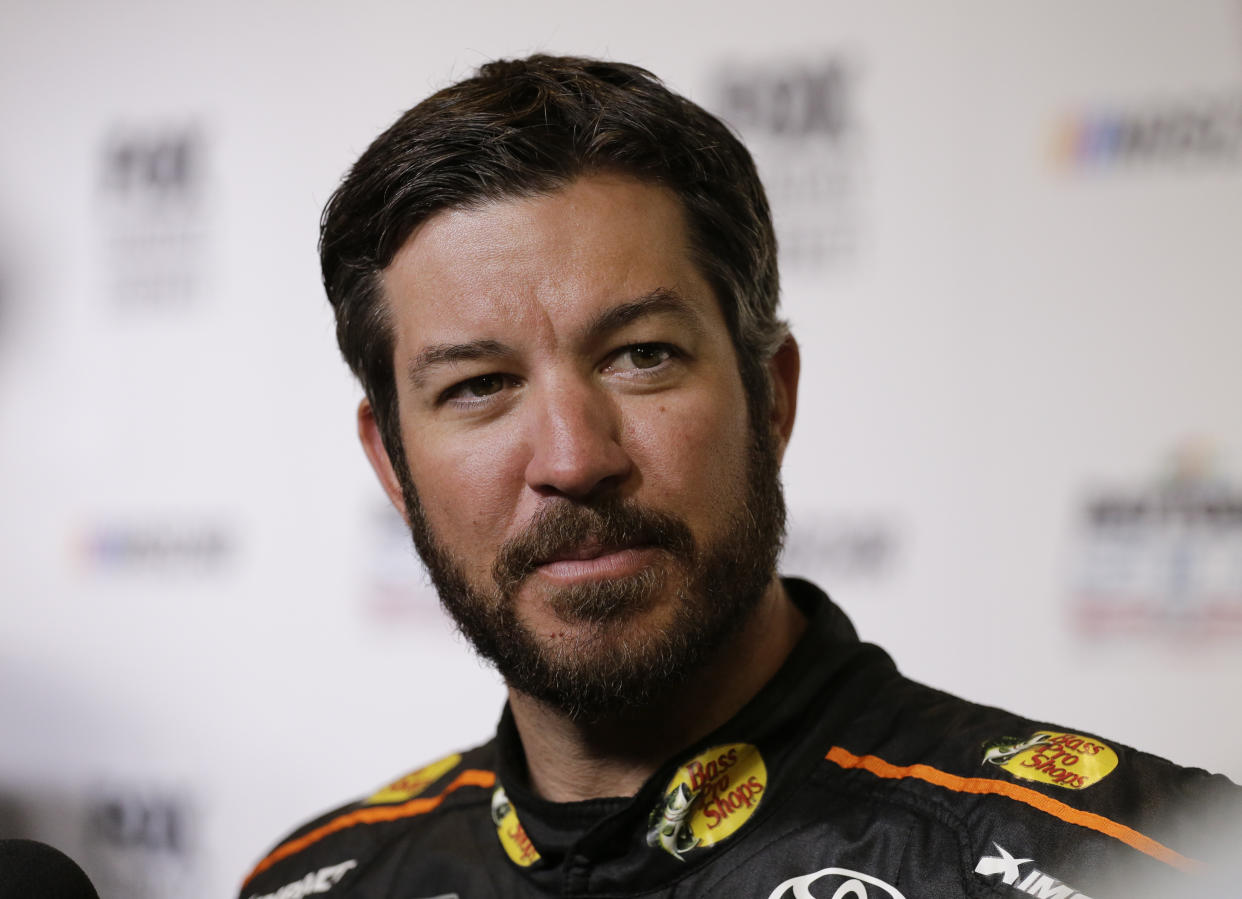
(575, 443)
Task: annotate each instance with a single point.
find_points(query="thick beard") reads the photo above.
(613, 664)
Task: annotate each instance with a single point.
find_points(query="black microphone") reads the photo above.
(33, 870)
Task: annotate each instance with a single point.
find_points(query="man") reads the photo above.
(557, 283)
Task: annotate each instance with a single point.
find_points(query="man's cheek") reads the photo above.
(468, 507)
(471, 517)
(693, 465)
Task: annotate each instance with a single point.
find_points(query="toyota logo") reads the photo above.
(848, 885)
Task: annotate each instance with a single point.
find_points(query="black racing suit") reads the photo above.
(841, 779)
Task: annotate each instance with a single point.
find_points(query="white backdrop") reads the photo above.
(1010, 244)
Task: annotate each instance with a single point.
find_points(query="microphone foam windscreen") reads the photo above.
(33, 870)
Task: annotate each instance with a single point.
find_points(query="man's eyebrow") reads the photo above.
(449, 353)
(660, 300)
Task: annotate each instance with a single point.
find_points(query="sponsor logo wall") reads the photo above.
(133, 838)
(141, 843)
(797, 118)
(158, 546)
(1200, 131)
(152, 213)
(1162, 560)
(215, 599)
(395, 587)
(843, 548)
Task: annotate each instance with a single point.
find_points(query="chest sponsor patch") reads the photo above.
(708, 799)
(1066, 760)
(415, 782)
(1006, 869)
(837, 883)
(315, 882)
(512, 834)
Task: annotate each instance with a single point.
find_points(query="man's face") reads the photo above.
(586, 488)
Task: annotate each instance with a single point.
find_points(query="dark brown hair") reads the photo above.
(529, 126)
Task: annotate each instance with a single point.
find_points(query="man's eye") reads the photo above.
(476, 388)
(644, 356)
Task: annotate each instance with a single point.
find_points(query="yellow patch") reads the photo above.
(1065, 760)
(415, 782)
(709, 798)
(513, 838)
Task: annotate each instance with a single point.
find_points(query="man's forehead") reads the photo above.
(570, 255)
(625, 211)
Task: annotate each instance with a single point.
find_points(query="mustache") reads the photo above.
(563, 525)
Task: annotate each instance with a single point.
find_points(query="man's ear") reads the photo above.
(783, 370)
(373, 444)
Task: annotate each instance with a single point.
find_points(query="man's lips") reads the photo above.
(588, 549)
(592, 561)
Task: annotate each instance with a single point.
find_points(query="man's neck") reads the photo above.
(570, 760)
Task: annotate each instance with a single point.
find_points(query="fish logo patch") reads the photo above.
(513, 838)
(415, 782)
(708, 799)
(1066, 760)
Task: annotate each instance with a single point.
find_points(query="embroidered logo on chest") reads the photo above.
(414, 783)
(842, 882)
(708, 799)
(1066, 760)
(1034, 881)
(512, 834)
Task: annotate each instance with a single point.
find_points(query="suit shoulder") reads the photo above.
(1001, 777)
(328, 849)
